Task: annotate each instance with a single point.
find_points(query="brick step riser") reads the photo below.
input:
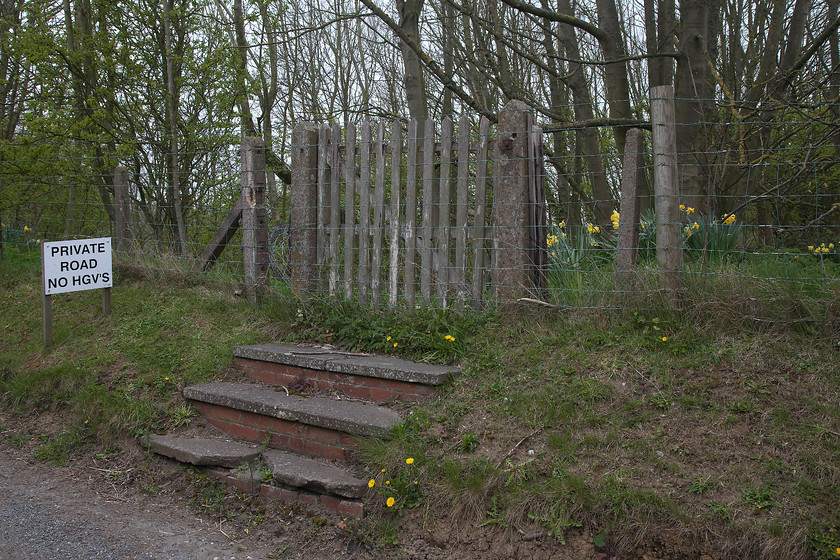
(350, 508)
(305, 439)
(372, 389)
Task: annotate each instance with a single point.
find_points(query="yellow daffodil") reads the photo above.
(682, 207)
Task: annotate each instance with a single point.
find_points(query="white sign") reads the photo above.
(82, 264)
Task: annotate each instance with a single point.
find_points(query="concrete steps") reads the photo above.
(377, 379)
(287, 476)
(314, 426)
(299, 415)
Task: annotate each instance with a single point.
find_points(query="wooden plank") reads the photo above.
(378, 208)
(396, 186)
(442, 268)
(323, 193)
(410, 213)
(536, 205)
(349, 209)
(462, 206)
(222, 237)
(479, 233)
(428, 208)
(335, 210)
(364, 214)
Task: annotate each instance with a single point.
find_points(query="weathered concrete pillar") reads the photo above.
(303, 233)
(511, 263)
(254, 219)
(666, 193)
(122, 210)
(627, 247)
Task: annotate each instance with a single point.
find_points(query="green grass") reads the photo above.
(729, 427)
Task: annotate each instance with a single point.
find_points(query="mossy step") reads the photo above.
(351, 363)
(203, 451)
(351, 417)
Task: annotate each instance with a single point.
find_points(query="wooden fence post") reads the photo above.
(122, 212)
(666, 193)
(303, 231)
(254, 219)
(511, 266)
(627, 249)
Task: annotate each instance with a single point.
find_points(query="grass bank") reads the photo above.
(678, 433)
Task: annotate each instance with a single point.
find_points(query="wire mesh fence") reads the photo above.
(758, 216)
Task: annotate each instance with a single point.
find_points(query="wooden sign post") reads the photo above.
(72, 266)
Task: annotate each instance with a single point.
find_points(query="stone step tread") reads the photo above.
(303, 472)
(203, 451)
(353, 363)
(351, 417)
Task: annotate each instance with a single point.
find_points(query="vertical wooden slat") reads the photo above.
(479, 233)
(378, 209)
(349, 209)
(335, 210)
(396, 185)
(323, 192)
(462, 202)
(410, 212)
(442, 269)
(364, 214)
(428, 206)
(536, 202)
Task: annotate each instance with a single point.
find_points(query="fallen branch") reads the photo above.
(538, 302)
(515, 447)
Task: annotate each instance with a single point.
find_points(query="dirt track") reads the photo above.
(48, 513)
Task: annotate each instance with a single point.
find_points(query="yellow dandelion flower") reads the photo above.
(387, 482)
(388, 339)
(371, 483)
(395, 344)
(664, 339)
(383, 470)
(390, 502)
(409, 460)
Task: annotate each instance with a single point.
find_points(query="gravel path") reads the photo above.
(47, 514)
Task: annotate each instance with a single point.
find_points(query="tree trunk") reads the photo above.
(576, 80)
(413, 77)
(694, 104)
(172, 117)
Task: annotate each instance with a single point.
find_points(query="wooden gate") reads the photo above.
(383, 215)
